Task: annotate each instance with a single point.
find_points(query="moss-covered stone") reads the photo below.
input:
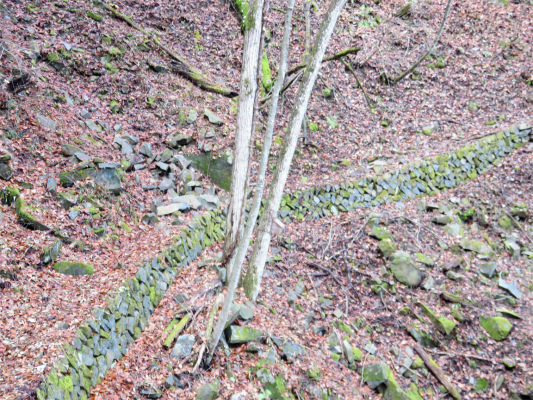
(68, 178)
(380, 233)
(208, 391)
(242, 334)
(9, 195)
(73, 268)
(427, 260)
(26, 219)
(443, 324)
(498, 328)
(404, 269)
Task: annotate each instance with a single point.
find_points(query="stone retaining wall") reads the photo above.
(105, 339)
(424, 178)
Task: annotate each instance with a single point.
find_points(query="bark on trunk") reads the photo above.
(245, 115)
(252, 281)
(235, 264)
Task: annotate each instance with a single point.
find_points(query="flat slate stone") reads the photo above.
(47, 122)
(212, 117)
(183, 346)
(190, 199)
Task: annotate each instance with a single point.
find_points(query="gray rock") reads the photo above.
(73, 214)
(85, 114)
(475, 246)
(117, 127)
(429, 283)
(70, 150)
(165, 209)
(376, 374)
(209, 202)
(131, 139)
(51, 185)
(151, 392)
(212, 117)
(68, 99)
(245, 313)
(146, 149)
(149, 219)
(162, 166)
(488, 269)
(239, 396)
(50, 254)
(442, 219)
(165, 156)
(81, 156)
(178, 140)
(108, 165)
(108, 179)
(173, 381)
(181, 298)
(190, 199)
(404, 269)
(292, 350)
(193, 115)
(6, 171)
(183, 346)
(183, 162)
(126, 147)
(92, 125)
(47, 122)
(166, 184)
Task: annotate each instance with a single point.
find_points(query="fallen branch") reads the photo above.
(443, 353)
(181, 66)
(417, 63)
(435, 369)
(176, 330)
(350, 68)
(199, 360)
(333, 57)
(333, 275)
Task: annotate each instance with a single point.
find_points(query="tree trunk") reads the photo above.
(245, 115)
(235, 263)
(252, 281)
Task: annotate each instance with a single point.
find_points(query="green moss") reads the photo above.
(96, 17)
(73, 268)
(125, 226)
(68, 178)
(9, 195)
(266, 78)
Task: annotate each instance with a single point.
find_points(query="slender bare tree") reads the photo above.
(252, 281)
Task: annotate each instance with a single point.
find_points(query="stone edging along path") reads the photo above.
(105, 339)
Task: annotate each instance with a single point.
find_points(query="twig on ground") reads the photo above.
(358, 83)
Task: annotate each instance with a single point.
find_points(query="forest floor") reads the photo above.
(92, 82)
